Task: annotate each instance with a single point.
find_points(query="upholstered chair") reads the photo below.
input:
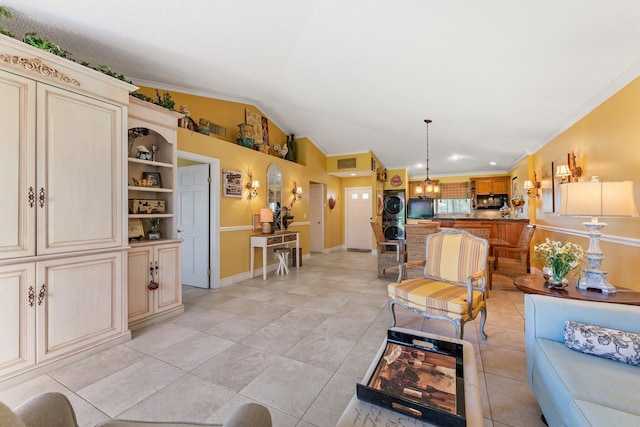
(453, 282)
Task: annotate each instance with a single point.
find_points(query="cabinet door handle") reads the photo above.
(31, 194)
(32, 296)
(152, 283)
(41, 197)
(41, 294)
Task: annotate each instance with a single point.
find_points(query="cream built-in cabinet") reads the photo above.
(154, 266)
(62, 228)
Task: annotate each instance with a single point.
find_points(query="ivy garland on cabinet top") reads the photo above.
(32, 38)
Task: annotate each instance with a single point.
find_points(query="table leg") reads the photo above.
(264, 263)
(253, 251)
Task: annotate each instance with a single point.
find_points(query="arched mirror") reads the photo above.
(274, 194)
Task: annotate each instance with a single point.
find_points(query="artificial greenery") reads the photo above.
(45, 44)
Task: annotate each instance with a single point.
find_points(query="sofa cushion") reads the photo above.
(604, 342)
(594, 414)
(569, 375)
(8, 418)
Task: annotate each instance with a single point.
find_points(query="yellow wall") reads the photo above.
(605, 142)
(236, 212)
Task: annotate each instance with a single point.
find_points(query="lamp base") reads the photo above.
(266, 228)
(596, 279)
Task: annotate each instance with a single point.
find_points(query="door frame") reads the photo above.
(214, 213)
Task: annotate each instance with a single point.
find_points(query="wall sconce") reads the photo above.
(532, 187)
(332, 202)
(252, 187)
(297, 193)
(570, 170)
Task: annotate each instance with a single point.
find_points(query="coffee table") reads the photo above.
(535, 284)
(363, 414)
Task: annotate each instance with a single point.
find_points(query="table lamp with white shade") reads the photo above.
(595, 199)
(266, 218)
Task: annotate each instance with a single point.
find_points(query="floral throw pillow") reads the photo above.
(604, 342)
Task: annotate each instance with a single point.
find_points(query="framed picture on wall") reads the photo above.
(232, 181)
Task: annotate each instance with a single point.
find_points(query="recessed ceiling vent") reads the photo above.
(347, 163)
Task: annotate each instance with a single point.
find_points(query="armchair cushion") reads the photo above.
(604, 342)
(436, 297)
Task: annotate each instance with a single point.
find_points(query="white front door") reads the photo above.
(193, 223)
(316, 220)
(358, 217)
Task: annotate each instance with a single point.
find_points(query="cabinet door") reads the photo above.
(169, 292)
(17, 317)
(140, 260)
(83, 303)
(79, 171)
(17, 166)
(500, 185)
(483, 186)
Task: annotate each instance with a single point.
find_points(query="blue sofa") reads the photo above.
(573, 388)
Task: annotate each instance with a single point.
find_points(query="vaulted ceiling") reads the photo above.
(499, 78)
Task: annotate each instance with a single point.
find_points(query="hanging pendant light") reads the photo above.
(429, 187)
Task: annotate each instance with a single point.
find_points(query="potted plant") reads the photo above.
(154, 233)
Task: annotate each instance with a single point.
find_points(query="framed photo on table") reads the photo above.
(257, 225)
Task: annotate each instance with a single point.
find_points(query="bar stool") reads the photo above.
(283, 258)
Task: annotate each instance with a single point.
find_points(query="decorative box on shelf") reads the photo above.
(146, 206)
(420, 377)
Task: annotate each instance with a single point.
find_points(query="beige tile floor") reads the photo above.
(297, 344)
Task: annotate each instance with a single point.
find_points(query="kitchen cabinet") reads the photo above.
(493, 185)
(61, 224)
(154, 279)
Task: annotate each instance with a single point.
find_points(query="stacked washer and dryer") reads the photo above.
(393, 215)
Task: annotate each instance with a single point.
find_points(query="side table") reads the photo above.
(535, 284)
(364, 414)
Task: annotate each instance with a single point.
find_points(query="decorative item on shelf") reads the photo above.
(332, 202)
(576, 171)
(154, 177)
(133, 134)
(517, 202)
(154, 233)
(297, 193)
(146, 206)
(292, 151)
(266, 218)
(154, 152)
(558, 258)
(183, 122)
(252, 186)
(287, 218)
(533, 187)
(203, 127)
(136, 231)
(141, 182)
(281, 151)
(245, 135)
(143, 153)
(429, 186)
(594, 199)
(563, 172)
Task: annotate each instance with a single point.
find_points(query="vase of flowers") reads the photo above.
(558, 259)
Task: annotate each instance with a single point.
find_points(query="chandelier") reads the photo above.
(429, 187)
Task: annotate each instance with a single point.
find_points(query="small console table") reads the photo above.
(265, 241)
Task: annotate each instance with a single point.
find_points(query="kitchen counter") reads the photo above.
(498, 219)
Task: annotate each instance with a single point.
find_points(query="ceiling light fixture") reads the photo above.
(429, 186)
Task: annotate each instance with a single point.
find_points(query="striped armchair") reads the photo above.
(453, 283)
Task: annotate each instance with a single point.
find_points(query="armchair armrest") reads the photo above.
(470, 287)
(511, 249)
(408, 266)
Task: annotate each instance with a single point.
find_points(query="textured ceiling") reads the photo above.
(498, 78)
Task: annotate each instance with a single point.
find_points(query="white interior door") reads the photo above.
(358, 217)
(193, 223)
(316, 217)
